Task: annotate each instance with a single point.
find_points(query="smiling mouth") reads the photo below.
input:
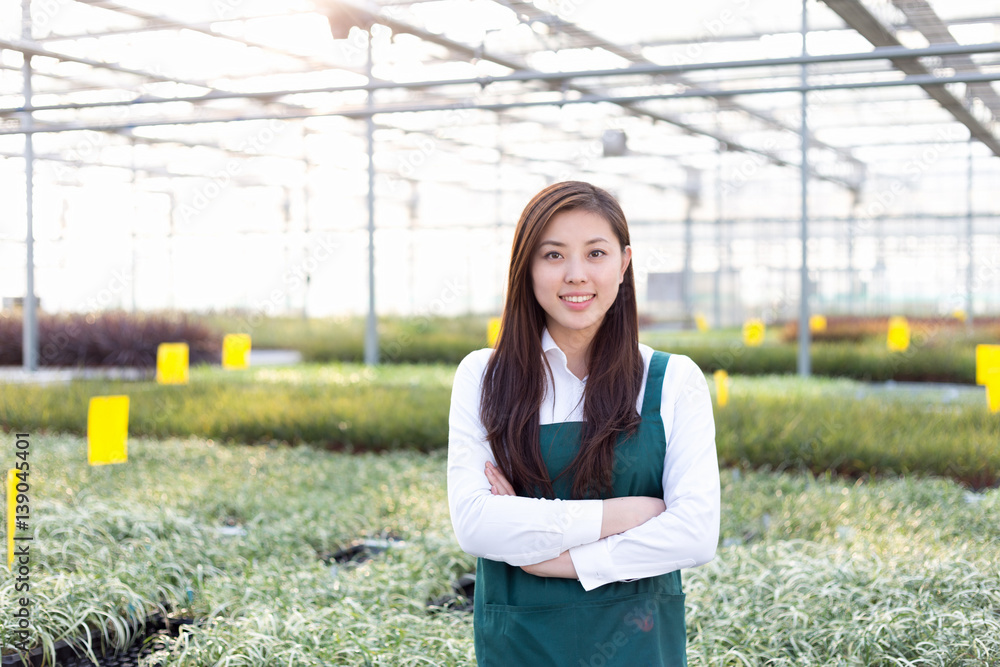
(577, 299)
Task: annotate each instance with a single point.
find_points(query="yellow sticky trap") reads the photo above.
(993, 394)
(172, 363)
(236, 351)
(987, 363)
(817, 323)
(959, 315)
(721, 387)
(753, 332)
(107, 430)
(701, 322)
(898, 339)
(493, 332)
(11, 507)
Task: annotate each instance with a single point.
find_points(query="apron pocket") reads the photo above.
(637, 630)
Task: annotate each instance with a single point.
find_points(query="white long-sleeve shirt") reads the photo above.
(524, 531)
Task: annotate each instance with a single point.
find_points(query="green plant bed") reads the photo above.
(816, 424)
(944, 357)
(935, 354)
(845, 428)
(401, 340)
(347, 407)
(810, 570)
(868, 362)
(939, 353)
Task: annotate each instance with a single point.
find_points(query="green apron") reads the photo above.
(522, 620)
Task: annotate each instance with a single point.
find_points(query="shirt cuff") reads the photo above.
(582, 523)
(593, 564)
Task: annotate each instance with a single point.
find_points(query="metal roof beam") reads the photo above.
(159, 24)
(633, 108)
(36, 49)
(199, 27)
(620, 100)
(635, 70)
(755, 36)
(922, 16)
(868, 26)
(530, 10)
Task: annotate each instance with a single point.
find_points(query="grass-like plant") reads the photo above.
(818, 424)
(941, 350)
(810, 570)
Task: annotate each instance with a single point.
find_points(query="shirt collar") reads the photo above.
(549, 345)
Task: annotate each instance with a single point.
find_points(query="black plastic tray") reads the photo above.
(70, 653)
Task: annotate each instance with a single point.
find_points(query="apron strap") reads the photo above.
(654, 382)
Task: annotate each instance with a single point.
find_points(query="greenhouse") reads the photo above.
(259, 242)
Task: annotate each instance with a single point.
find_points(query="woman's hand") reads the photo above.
(627, 512)
(561, 566)
(619, 515)
(499, 486)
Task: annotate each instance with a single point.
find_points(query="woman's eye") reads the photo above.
(552, 254)
(597, 253)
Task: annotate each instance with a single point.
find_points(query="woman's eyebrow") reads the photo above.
(560, 244)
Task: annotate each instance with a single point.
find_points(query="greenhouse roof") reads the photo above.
(173, 74)
(475, 104)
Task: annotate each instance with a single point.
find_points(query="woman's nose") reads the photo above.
(575, 271)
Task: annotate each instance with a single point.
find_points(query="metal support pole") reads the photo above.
(29, 322)
(688, 275)
(853, 283)
(969, 245)
(692, 189)
(306, 217)
(135, 218)
(286, 246)
(804, 369)
(717, 282)
(371, 331)
(413, 207)
(171, 242)
(501, 269)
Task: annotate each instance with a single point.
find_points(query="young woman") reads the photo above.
(582, 468)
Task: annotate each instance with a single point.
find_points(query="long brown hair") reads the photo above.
(514, 382)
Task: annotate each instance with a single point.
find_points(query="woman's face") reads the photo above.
(576, 270)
